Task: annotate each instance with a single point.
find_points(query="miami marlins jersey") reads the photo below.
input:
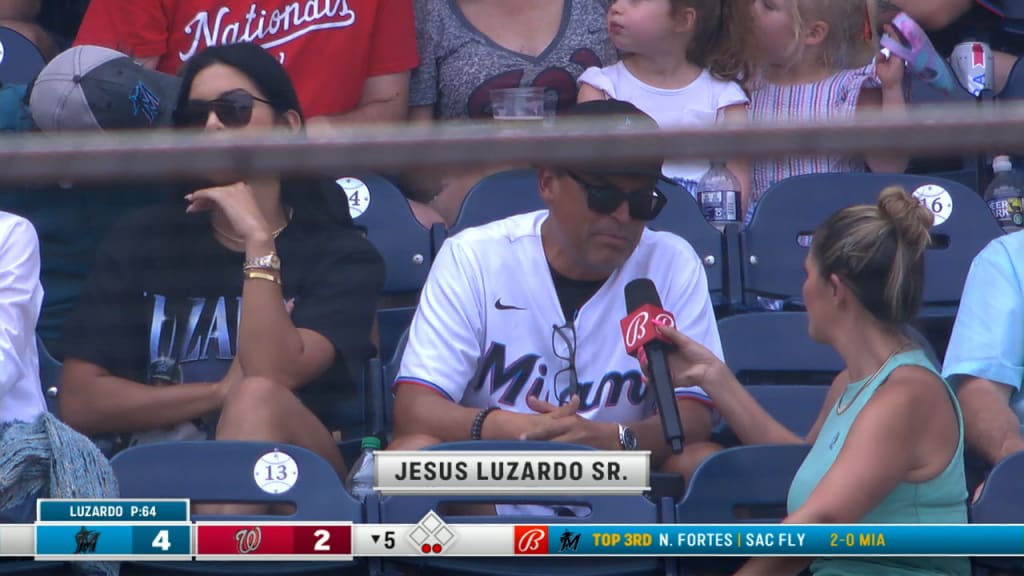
(483, 334)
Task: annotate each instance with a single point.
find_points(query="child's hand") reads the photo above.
(890, 68)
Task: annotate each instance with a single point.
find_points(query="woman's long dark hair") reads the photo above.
(311, 199)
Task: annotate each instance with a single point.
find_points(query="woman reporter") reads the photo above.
(887, 446)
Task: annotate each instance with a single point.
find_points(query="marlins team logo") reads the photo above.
(144, 102)
(85, 541)
(249, 539)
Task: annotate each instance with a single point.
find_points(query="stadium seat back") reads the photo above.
(390, 371)
(764, 472)
(794, 406)
(21, 61)
(747, 485)
(682, 216)
(233, 471)
(49, 376)
(775, 244)
(775, 348)
(604, 509)
(380, 209)
(1001, 500)
(499, 196)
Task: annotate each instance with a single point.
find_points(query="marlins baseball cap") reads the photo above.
(95, 88)
(618, 116)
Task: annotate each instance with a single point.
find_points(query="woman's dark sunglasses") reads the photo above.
(644, 204)
(234, 109)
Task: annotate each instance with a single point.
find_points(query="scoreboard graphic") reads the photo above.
(154, 530)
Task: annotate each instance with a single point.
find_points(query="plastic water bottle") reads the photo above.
(718, 194)
(1004, 195)
(360, 481)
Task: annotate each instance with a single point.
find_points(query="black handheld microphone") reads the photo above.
(639, 327)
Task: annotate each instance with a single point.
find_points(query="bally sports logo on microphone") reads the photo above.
(638, 329)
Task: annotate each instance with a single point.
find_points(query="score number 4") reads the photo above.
(162, 540)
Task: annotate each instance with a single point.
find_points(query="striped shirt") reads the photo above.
(829, 100)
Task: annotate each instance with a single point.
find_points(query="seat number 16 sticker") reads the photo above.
(936, 199)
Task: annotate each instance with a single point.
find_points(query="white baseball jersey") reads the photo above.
(483, 332)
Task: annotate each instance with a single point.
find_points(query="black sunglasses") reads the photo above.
(644, 204)
(233, 108)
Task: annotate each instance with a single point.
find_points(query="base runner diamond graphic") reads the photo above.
(431, 535)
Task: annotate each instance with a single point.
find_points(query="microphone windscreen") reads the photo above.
(639, 292)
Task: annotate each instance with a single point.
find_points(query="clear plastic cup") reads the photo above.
(518, 104)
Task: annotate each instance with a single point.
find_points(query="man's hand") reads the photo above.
(563, 424)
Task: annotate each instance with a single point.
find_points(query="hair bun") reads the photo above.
(907, 216)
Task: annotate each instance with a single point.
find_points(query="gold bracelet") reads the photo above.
(249, 275)
(264, 269)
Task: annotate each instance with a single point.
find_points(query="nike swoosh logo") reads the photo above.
(498, 305)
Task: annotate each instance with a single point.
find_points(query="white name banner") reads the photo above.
(501, 472)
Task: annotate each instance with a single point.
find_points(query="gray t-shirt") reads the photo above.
(459, 66)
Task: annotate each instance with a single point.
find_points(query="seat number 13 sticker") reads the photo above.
(276, 472)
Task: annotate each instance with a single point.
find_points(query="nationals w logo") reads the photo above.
(249, 539)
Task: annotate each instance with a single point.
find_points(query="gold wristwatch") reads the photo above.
(268, 262)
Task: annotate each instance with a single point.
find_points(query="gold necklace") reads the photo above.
(274, 234)
(867, 382)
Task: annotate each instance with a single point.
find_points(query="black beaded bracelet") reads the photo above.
(477, 431)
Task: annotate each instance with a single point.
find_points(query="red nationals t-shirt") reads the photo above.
(329, 47)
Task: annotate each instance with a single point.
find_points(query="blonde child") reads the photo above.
(666, 48)
(817, 60)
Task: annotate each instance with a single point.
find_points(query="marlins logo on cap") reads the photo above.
(95, 88)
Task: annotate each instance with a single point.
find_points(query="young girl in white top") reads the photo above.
(817, 60)
(666, 47)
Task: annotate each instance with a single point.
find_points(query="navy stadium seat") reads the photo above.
(604, 509)
(1001, 502)
(380, 209)
(746, 484)
(682, 216)
(390, 371)
(713, 497)
(223, 471)
(775, 348)
(20, 60)
(49, 376)
(498, 196)
(794, 406)
(772, 250)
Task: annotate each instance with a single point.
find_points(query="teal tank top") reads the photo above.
(941, 500)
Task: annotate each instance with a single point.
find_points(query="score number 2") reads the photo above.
(323, 538)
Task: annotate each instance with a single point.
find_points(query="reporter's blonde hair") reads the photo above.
(878, 252)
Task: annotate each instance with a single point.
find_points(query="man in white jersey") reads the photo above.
(518, 313)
